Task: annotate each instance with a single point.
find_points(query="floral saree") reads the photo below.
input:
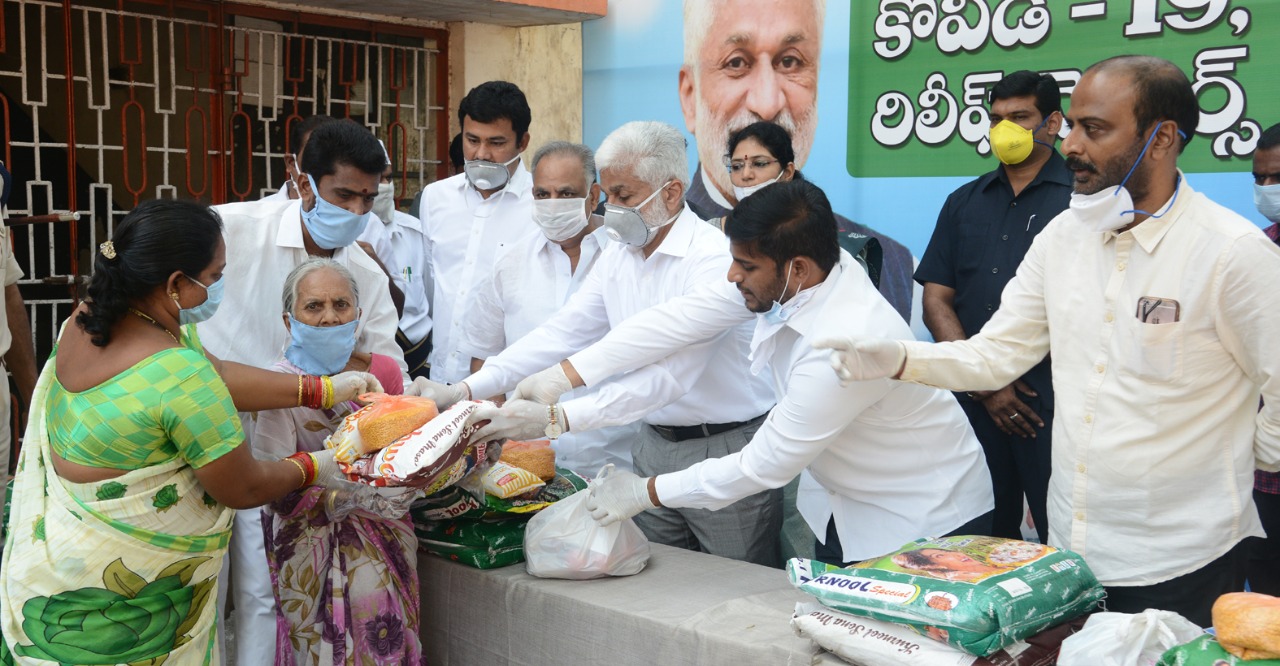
(121, 571)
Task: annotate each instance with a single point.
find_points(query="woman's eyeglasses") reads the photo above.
(756, 163)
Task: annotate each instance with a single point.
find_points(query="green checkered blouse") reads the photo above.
(170, 404)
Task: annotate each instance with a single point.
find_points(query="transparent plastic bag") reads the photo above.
(1122, 639)
(564, 541)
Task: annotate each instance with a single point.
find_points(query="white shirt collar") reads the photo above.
(290, 232)
(712, 190)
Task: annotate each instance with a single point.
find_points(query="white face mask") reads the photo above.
(486, 175)
(1267, 199)
(384, 204)
(1112, 208)
(560, 219)
(628, 225)
(741, 193)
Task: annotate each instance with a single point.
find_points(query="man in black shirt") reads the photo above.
(983, 231)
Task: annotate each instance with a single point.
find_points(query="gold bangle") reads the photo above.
(300, 469)
(299, 390)
(328, 392)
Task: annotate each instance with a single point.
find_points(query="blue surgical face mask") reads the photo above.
(206, 309)
(780, 312)
(332, 226)
(321, 350)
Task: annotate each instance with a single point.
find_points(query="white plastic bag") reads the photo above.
(564, 541)
(1122, 639)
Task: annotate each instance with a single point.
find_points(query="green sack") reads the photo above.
(1205, 651)
(979, 594)
(486, 543)
(456, 502)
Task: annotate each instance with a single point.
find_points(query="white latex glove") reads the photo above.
(517, 419)
(862, 359)
(327, 471)
(351, 385)
(545, 387)
(618, 495)
(444, 395)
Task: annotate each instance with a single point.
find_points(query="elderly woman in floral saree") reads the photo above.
(134, 459)
(343, 558)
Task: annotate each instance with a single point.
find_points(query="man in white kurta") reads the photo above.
(533, 279)
(265, 241)
(1158, 309)
(469, 218)
(884, 465)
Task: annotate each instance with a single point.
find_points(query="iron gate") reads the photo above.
(107, 103)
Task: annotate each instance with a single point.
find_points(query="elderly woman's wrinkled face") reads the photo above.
(324, 299)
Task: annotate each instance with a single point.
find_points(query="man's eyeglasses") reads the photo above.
(756, 163)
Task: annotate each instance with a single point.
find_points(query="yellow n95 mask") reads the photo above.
(1012, 143)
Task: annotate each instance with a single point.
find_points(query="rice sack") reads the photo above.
(431, 457)
(376, 425)
(979, 594)
(867, 642)
(456, 502)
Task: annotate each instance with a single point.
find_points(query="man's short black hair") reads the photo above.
(299, 130)
(455, 152)
(784, 221)
(342, 142)
(494, 100)
(1270, 138)
(1164, 93)
(1025, 82)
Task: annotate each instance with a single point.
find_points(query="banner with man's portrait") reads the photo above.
(886, 99)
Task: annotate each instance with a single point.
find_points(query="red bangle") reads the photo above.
(314, 394)
(308, 464)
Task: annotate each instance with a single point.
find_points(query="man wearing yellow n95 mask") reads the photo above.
(983, 232)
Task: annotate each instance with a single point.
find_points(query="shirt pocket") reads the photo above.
(1156, 350)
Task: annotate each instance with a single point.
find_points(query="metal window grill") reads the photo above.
(107, 103)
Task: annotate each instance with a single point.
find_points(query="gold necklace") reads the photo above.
(156, 323)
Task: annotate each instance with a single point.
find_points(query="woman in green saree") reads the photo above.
(134, 459)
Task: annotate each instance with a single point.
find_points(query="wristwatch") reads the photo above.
(554, 429)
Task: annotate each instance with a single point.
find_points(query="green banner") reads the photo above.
(919, 72)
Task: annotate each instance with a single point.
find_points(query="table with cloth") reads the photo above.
(684, 608)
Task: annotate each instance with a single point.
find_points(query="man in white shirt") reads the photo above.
(883, 463)
(468, 218)
(700, 403)
(265, 241)
(1158, 309)
(534, 278)
(299, 132)
(405, 263)
(16, 349)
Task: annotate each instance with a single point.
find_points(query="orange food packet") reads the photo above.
(375, 426)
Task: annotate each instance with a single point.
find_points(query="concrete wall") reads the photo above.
(545, 61)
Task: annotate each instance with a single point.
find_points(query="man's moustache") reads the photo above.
(1080, 165)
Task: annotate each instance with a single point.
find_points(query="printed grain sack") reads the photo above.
(868, 642)
(456, 502)
(979, 594)
(431, 457)
(487, 543)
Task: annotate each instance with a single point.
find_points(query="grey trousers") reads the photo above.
(746, 530)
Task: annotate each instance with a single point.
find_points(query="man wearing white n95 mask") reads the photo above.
(886, 463)
(534, 278)
(1158, 309)
(700, 403)
(468, 218)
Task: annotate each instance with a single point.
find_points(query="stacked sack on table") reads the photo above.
(481, 522)
(1247, 627)
(958, 601)
(403, 441)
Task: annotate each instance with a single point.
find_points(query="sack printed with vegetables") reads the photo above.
(979, 594)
